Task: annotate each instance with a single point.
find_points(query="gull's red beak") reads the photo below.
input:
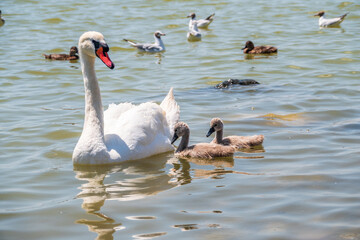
(100, 53)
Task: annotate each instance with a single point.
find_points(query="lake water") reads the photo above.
(303, 183)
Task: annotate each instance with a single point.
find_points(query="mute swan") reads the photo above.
(200, 150)
(193, 34)
(158, 46)
(330, 22)
(201, 23)
(216, 125)
(71, 56)
(124, 131)
(250, 48)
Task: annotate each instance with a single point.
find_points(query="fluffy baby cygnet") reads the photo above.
(216, 125)
(200, 150)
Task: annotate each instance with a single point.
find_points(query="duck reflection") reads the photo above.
(261, 56)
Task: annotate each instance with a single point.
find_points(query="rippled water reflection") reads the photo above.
(301, 184)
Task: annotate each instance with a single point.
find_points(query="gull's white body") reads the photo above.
(124, 131)
(157, 46)
(193, 34)
(201, 23)
(331, 22)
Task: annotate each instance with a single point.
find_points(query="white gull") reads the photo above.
(329, 22)
(158, 46)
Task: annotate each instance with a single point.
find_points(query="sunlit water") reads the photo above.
(303, 183)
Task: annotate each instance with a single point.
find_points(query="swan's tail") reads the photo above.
(172, 109)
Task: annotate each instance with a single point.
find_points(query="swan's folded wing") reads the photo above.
(143, 129)
(113, 113)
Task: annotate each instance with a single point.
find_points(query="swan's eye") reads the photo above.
(96, 44)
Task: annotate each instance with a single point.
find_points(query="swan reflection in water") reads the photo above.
(133, 180)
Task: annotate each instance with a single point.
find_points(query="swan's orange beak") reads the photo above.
(104, 57)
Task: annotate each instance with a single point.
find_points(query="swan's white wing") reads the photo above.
(139, 132)
(113, 113)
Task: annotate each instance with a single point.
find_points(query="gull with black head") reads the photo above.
(157, 46)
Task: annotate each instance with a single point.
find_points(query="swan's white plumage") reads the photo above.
(124, 131)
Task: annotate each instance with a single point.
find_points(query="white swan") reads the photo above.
(124, 131)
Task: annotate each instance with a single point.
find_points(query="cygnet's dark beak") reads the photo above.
(175, 137)
(211, 130)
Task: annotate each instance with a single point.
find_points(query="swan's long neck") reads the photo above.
(184, 142)
(158, 41)
(94, 113)
(219, 136)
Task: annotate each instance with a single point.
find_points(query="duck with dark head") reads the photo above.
(251, 49)
(71, 56)
(2, 21)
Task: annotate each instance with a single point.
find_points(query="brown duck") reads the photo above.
(216, 125)
(250, 48)
(2, 21)
(71, 56)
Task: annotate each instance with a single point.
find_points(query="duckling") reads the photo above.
(71, 56)
(2, 21)
(201, 23)
(200, 150)
(250, 48)
(230, 82)
(330, 22)
(217, 125)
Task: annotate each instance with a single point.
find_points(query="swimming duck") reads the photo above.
(158, 46)
(200, 150)
(201, 23)
(124, 131)
(250, 48)
(71, 56)
(193, 35)
(2, 21)
(331, 22)
(230, 82)
(217, 126)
